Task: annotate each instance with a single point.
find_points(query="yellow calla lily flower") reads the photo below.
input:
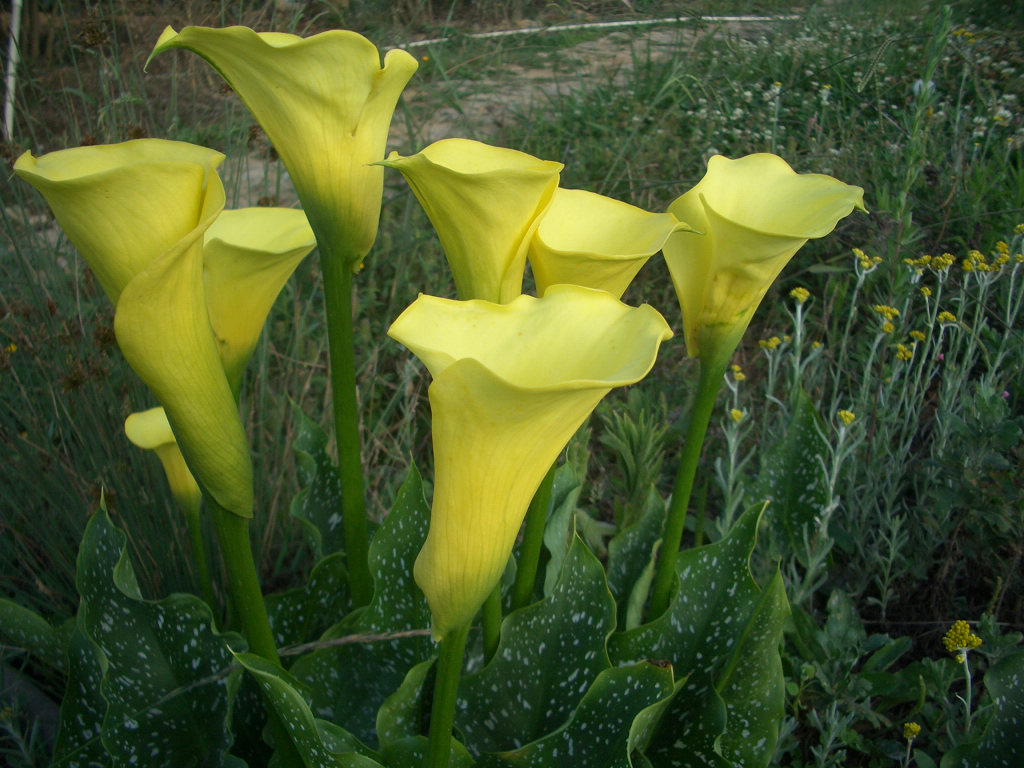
(512, 383)
(151, 431)
(163, 328)
(484, 203)
(248, 256)
(592, 240)
(326, 104)
(754, 213)
(122, 205)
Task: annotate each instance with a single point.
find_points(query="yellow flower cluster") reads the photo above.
(1019, 229)
(737, 373)
(946, 317)
(926, 291)
(737, 415)
(800, 294)
(959, 638)
(889, 313)
(769, 344)
(903, 352)
(867, 263)
(846, 417)
(917, 336)
(911, 731)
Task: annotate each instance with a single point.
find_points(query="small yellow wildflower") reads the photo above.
(1019, 229)
(737, 373)
(959, 639)
(903, 352)
(889, 313)
(815, 344)
(769, 344)
(11, 348)
(888, 327)
(866, 263)
(917, 336)
(922, 261)
(911, 731)
(945, 261)
(736, 414)
(800, 294)
(926, 291)
(946, 317)
(846, 417)
(1003, 248)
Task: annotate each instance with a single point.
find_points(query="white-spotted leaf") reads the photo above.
(548, 656)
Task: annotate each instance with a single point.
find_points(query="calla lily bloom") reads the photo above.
(248, 256)
(592, 240)
(484, 203)
(122, 205)
(511, 384)
(754, 213)
(163, 328)
(326, 104)
(151, 431)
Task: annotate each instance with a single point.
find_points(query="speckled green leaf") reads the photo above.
(78, 742)
(22, 628)
(1002, 743)
(318, 505)
(304, 613)
(629, 551)
(401, 714)
(724, 632)
(165, 679)
(558, 532)
(319, 744)
(549, 654)
(349, 682)
(600, 732)
(791, 476)
(411, 752)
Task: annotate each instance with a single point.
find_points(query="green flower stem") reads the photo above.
(247, 600)
(665, 567)
(202, 562)
(967, 695)
(337, 274)
(533, 540)
(243, 582)
(491, 620)
(446, 688)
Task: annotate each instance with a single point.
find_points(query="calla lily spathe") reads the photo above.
(326, 104)
(163, 328)
(248, 256)
(753, 214)
(151, 431)
(485, 203)
(122, 205)
(511, 384)
(596, 241)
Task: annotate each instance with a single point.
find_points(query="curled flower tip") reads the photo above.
(911, 731)
(960, 639)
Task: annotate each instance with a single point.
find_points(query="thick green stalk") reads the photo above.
(247, 600)
(202, 563)
(243, 581)
(703, 405)
(491, 620)
(337, 272)
(533, 540)
(446, 688)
